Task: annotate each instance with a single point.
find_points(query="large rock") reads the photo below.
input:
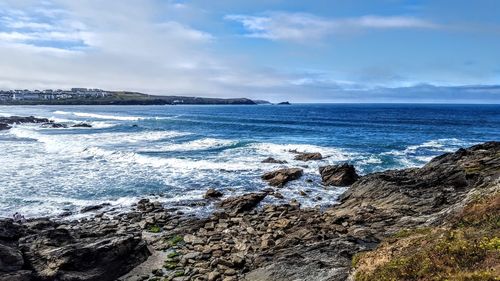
(91, 250)
(388, 201)
(338, 175)
(282, 176)
(21, 120)
(212, 194)
(11, 259)
(305, 156)
(242, 203)
(271, 160)
(4, 126)
(63, 254)
(53, 125)
(82, 125)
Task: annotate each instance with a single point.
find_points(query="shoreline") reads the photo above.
(241, 242)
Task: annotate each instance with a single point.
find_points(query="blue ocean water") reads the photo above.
(175, 153)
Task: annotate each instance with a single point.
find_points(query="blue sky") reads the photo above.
(302, 51)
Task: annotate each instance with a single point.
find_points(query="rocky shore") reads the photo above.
(244, 240)
(7, 122)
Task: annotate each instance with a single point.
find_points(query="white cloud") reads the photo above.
(137, 46)
(304, 27)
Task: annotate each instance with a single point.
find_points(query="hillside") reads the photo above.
(126, 98)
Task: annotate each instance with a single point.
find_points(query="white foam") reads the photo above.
(79, 142)
(283, 151)
(110, 117)
(180, 165)
(442, 145)
(201, 144)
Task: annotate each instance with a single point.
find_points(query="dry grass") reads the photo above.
(467, 251)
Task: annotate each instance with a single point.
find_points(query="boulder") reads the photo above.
(306, 156)
(82, 125)
(94, 207)
(282, 176)
(338, 175)
(4, 126)
(242, 203)
(94, 254)
(271, 160)
(11, 259)
(212, 194)
(53, 125)
(21, 120)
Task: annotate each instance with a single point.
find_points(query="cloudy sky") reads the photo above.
(303, 51)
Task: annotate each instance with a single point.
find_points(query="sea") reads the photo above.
(173, 154)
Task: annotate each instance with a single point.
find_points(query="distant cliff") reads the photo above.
(111, 98)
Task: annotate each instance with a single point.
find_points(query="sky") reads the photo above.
(445, 51)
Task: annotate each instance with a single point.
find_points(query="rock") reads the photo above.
(10, 231)
(213, 276)
(284, 103)
(4, 126)
(20, 275)
(94, 207)
(338, 175)
(305, 156)
(405, 198)
(21, 120)
(212, 194)
(191, 239)
(273, 161)
(11, 259)
(242, 203)
(53, 125)
(93, 253)
(82, 125)
(282, 176)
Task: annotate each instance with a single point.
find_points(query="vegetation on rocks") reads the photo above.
(468, 249)
(154, 229)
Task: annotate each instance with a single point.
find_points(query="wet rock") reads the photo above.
(305, 156)
(338, 175)
(93, 253)
(94, 207)
(54, 125)
(22, 120)
(20, 275)
(212, 194)
(242, 203)
(82, 125)
(4, 126)
(11, 259)
(280, 177)
(273, 161)
(400, 198)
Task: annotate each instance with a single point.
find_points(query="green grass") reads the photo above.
(154, 229)
(174, 240)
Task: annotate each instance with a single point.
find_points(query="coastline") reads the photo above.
(241, 242)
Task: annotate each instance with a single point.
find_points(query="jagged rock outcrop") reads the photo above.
(82, 125)
(213, 194)
(46, 250)
(387, 201)
(306, 156)
(271, 160)
(4, 126)
(280, 177)
(338, 175)
(242, 203)
(21, 120)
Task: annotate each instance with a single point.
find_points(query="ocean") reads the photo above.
(175, 153)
